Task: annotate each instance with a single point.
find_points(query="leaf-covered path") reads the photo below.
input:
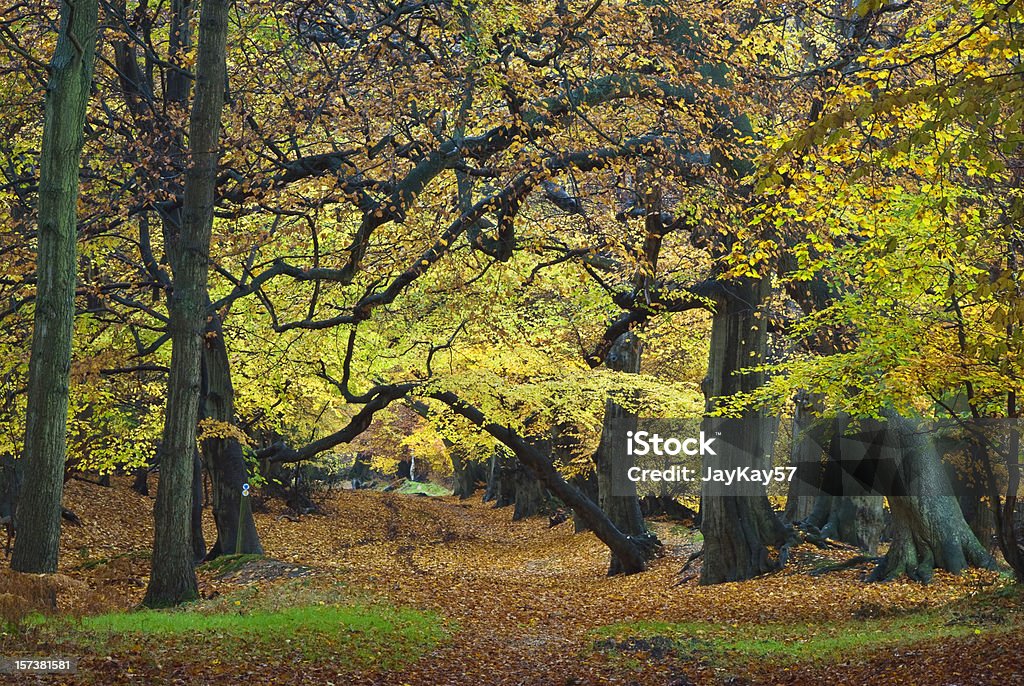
(523, 603)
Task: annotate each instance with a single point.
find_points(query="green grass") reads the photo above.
(285, 623)
(414, 487)
(685, 532)
(790, 642)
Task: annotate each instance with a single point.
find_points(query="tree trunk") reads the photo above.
(843, 510)
(173, 578)
(359, 472)
(929, 530)
(854, 519)
(738, 523)
(807, 455)
(502, 484)
(198, 540)
(466, 472)
(67, 95)
(622, 510)
(222, 453)
(587, 484)
(530, 497)
(140, 480)
(491, 492)
(9, 485)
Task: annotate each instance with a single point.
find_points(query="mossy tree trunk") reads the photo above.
(929, 529)
(854, 519)
(67, 95)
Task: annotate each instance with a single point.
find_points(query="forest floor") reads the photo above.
(412, 590)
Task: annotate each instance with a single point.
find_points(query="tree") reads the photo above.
(173, 579)
(623, 510)
(39, 504)
(739, 523)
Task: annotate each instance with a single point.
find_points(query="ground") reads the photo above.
(392, 588)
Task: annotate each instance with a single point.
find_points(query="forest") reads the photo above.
(500, 342)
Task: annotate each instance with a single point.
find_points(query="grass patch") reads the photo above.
(783, 642)
(285, 623)
(225, 564)
(415, 487)
(687, 533)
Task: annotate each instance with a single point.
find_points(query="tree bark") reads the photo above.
(501, 487)
(140, 480)
(173, 578)
(530, 497)
(198, 540)
(737, 528)
(854, 519)
(67, 95)
(929, 530)
(807, 455)
(587, 484)
(623, 510)
(466, 472)
(225, 463)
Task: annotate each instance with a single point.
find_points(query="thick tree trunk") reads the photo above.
(67, 95)
(501, 486)
(929, 530)
(222, 453)
(622, 510)
(140, 480)
(173, 578)
(530, 496)
(849, 514)
(587, 484)
(737, 522)
(491, 492)
(466, 472)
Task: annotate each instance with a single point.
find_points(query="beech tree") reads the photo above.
(173, 578)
